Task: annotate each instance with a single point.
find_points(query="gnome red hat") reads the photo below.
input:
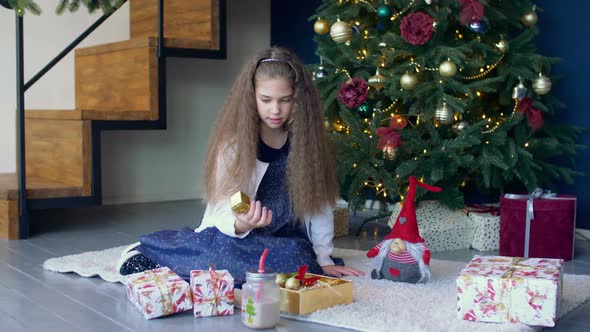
(406, 225)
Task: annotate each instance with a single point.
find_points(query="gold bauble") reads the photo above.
(408, 81)
(281, 279)
(341, 32)
(377, 81)
(447, 69)
(444, 115)
(292, 283)
(321, 26)
(389, 152)
(502, 46)
(529, 18)
(542, 84)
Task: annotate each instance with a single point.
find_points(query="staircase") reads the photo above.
(118, 86)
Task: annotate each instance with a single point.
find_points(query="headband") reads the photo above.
(263, 60)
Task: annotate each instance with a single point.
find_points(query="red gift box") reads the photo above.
(540, 225)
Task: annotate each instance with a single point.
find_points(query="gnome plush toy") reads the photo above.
(403, 255)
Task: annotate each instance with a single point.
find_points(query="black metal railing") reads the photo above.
(23, 214)
(163, 53)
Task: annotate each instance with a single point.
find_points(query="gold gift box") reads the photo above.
(240, 202)
(306, 300)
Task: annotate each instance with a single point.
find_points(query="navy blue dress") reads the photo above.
(286, 238)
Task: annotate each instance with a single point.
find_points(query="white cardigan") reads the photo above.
(320, 227)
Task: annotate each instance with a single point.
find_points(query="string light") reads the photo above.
(343, 70)
(403, 11)
(484, 72)
(498, 123)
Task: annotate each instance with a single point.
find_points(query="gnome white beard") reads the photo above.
(415, 250)
(417, 253)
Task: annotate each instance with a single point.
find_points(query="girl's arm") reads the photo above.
(321, 233)
(219, 214)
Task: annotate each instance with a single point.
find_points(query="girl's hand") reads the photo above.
(339, 271)
(257, 216)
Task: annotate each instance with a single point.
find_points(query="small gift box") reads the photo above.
(158, 292)
(327, 293)
(487, 226)
(341, 217)
(239, 202)
(213, 293)
(443, 229)
(541, 224)
(510, 289)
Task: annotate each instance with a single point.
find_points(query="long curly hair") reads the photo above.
(311, 177)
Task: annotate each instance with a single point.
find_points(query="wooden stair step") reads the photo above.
(53, 114)
(118, 81)
(58, 156)
(191, 24)
(8, 186)
(37, 188)
(8, 206)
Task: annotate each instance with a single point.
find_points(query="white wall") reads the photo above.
(140, 166)
(44, 37)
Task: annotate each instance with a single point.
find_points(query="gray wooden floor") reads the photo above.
(32, 299)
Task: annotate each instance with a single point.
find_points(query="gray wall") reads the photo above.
(143, 166)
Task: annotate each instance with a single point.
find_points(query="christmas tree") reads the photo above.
(107, 6)
(450, 91)
(250, 310)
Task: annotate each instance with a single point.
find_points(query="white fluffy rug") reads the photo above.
(379, 305)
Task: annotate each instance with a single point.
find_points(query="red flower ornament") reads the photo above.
(390, 135)
(471, 11)
(534, 115)
(353, 93)
(417, 28)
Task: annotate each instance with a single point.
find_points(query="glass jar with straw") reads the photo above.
(261, 298)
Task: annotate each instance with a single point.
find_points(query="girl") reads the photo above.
(268, 142)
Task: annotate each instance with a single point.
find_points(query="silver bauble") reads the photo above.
(444, 115)
(519, 91)
(447, 69)
(460, 126)
(341, 32)
(542, 85)
(503, 46)
(408, 81)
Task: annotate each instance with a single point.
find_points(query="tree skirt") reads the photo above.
(379, 305)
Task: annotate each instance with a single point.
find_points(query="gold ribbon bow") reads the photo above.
(160, 282)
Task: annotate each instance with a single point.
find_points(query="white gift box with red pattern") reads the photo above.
(510, 289)
(158, 292)
(213, 293)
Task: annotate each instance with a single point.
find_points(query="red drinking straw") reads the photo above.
(261, 270)
(262, 260)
